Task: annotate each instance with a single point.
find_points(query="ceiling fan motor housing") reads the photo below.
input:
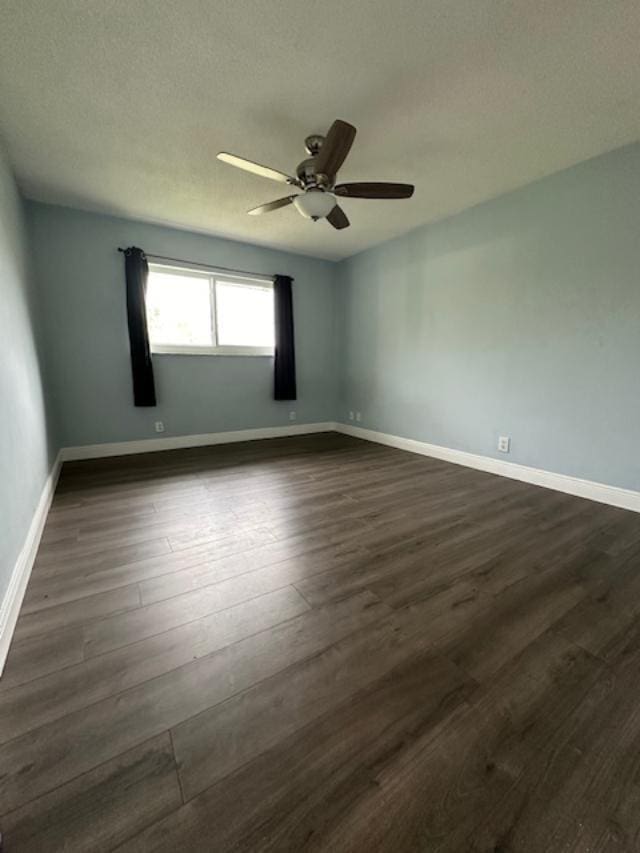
(308, 177)
(306, 170)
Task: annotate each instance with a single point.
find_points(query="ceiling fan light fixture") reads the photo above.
(315, 204)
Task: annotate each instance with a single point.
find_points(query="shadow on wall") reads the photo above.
(28, 444)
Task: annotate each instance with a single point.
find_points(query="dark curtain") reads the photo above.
(285, 359)
(137, 271)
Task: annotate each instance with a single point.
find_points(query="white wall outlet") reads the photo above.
(159, 426)
(358, 416)
(351, 416)
(292, 416)
(504, 443)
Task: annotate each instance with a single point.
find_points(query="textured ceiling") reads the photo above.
(121, 105)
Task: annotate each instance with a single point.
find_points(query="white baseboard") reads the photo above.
(12, 601)
(613, 495)
(151, 445)
(600, 492)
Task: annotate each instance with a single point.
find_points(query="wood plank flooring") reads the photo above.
(323, 644)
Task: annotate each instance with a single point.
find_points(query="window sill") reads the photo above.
(253, 352)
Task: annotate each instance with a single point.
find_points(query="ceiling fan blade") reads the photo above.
(338, 218)
(335, 148)
(272, 205)
(374, 190)
(256, 168)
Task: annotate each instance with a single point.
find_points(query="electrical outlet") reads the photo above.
(351, 416)
(292, 416)
(159, 426)
(358, 416)
(504, 443)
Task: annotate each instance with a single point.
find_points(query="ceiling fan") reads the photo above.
(316, 177)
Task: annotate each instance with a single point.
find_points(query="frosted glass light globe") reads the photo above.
(315, 204)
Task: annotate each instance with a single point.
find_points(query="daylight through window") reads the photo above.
(199, 312)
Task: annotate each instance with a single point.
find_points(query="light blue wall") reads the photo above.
(27, 445)
(518, 317)
(80, 276)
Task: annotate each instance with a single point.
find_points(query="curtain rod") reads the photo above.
(205, 266)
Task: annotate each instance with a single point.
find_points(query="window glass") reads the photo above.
(244, 314)
(178, 309)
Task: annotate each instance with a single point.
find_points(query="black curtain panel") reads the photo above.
(285, 357)
(137, 272)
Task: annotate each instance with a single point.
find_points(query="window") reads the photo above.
(195, 311)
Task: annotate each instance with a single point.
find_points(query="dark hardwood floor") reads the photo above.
(323, 644)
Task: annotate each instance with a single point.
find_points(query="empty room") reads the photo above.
(319, 414)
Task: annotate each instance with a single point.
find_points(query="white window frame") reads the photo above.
(212, 276)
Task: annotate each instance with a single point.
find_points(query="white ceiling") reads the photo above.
(121, 105)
